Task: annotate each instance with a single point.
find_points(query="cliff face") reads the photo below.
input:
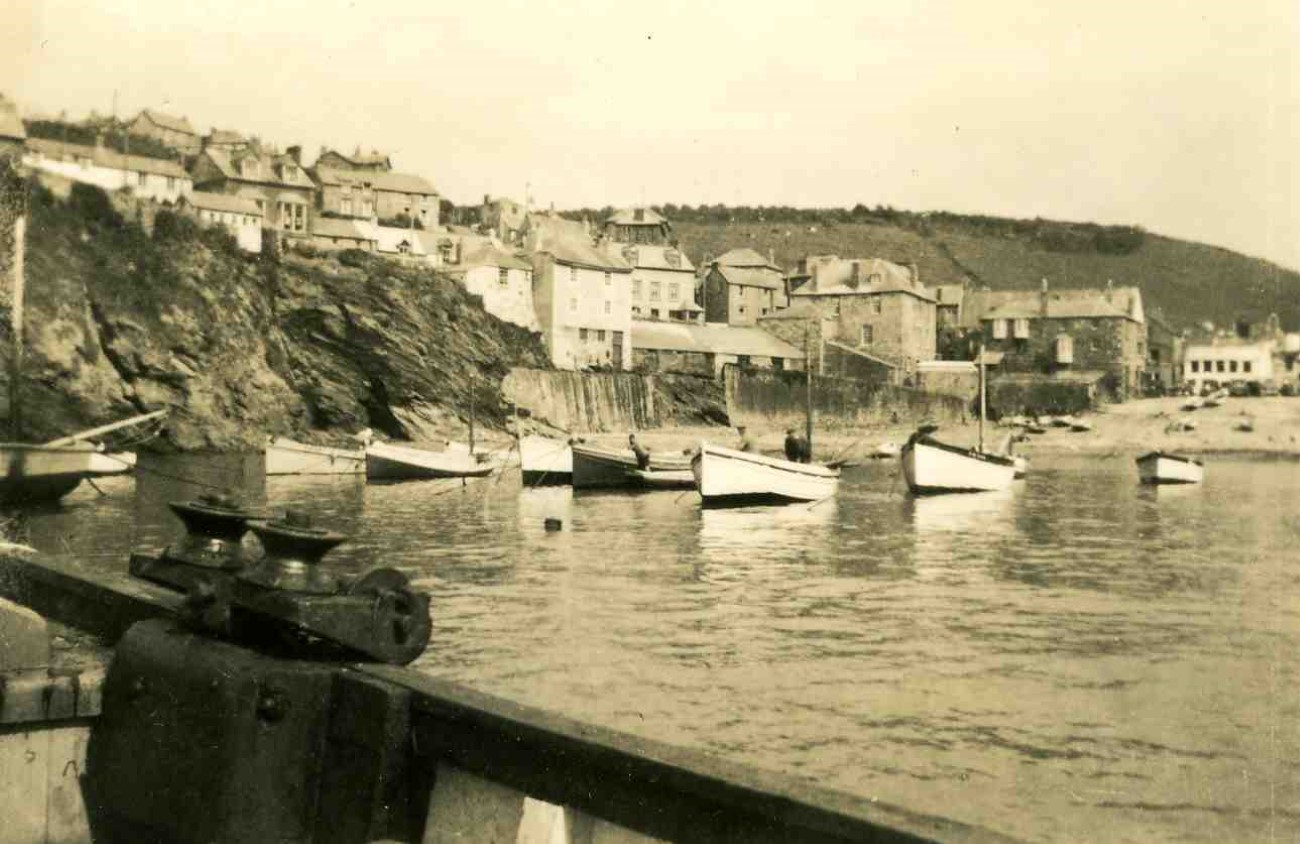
(120, 321)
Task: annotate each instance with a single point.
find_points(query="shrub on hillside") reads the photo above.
(94, 206)
(170, 226)
(355, 258)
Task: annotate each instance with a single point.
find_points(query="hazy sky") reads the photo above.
(1180, 117)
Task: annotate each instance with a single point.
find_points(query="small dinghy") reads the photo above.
(595, 467)
(1079, 426)
(545, 461)
(387, 462)
(731, 478)
(1194, 403)
(663, 478)
(1159, 467)
(1061, 421)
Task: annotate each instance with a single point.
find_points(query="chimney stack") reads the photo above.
(916, 274)
(1042, 304)
(295, 152)
(771, 256)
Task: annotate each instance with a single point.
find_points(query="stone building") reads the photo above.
(372, 162)
(706, 349)
(741, 286)
(335, 234)
(275, 182)
(504, 218)
(174, 132)
(382, 195)
(638, 225)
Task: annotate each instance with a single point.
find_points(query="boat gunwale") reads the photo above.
(1180, 458)
(815, 470)
(974, 454)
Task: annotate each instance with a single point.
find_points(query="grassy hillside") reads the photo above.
(1188, 282)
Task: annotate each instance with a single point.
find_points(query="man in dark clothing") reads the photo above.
(796, 447)
(641, 453)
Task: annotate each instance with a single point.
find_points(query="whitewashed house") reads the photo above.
(501, 278)
(238, 215)
(1224, 361)
(149, 178)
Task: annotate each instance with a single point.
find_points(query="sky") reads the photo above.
(1181, 117)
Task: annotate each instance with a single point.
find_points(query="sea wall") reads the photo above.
(778, 399)
(583, 402)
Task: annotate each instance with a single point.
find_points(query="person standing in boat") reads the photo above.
(796, 447)
(746, 441)
(639, 451)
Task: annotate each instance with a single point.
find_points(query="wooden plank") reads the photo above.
(640, 784)
(66, 821)
(24, 776)
(465, 808)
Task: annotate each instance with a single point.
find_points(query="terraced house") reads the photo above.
(149, 178)
(275, 182)
(741, 286)
(171, 131)
(366, 186)
(663, 278)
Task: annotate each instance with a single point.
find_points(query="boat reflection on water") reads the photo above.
(762, 534)
(978, 512)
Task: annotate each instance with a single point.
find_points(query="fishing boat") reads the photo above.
(387, 462)
(1160, 467)
(288, 457)
(544, 461)
(932, 467)
(663, 478)
(112, 463)
(730, 478)
(594, 466)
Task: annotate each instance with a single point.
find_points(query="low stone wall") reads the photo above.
(778, 399)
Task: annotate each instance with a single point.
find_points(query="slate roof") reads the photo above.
(752, 276)
(226, 163)
(109, 158)
(1078, 303)
(949, 294)
(335, 227)
(489, 254)
(654, 257)
(744, 257)
(714, 338)
(11, 123)
(225, 137)
(362, 159)
(628, 217)
(836, 279)
(569, 242)
(222, 202)
(167, 121)
(379, 180)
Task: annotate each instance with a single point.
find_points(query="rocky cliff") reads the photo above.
(122, 320)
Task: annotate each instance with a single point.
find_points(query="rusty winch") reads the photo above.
(286, 600)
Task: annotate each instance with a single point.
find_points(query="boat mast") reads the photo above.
(808, 392)
(983, 398)
(16, 354)
(473, 394)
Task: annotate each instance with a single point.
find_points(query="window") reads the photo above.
(573, 275)
(654, 313)
(674, 291)
(600, 335)
(607, 279)
(1218, 366)
(503, 277)
(573, 305)
(1196, 366)
(742, 361)
(868, 335)
(582, 334)
(876, 304)
(608, 308)
(655, 287)
(1020, 328)
(1064, 349)
(1232, 366)
(1245, 366)
(999, 329)
(141, 179)
(171, 183)
(636, 288)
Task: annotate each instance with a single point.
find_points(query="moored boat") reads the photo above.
(730, 478)
(544, 461)
(1160, 467)
(387, 462)
(287, 457)
(932, 467)
(664, 478)
(41, 474)
(594, 466)
(886, 450)
(112, 463)
(1080, 426)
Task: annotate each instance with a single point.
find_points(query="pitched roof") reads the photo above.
(222, 202)
(391, 238)
(569, 242)
(227, 162)
(744, 257)
(167, 121)
(108, 158)
(653, 257)
(225, 137)
(11, 124)
(714, 338)
(1077, 303)
(752, 276)
(489, 254)
(336, 227)
(874, 276)
(361, 159)
(379, 180)
(636, 217)
(949, 294)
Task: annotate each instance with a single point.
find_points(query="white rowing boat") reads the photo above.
(594, 466)
(287, 457)
(730, 478)
(113, 463)
(1159, 467)
(544, 461)
(387, 462)
(931, 467)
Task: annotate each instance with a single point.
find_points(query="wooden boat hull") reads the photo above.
(116, 463)
(1161, 468)
(1021, 465)
(36, 474)
(730, 478)
(595, 467)
(544, 461)
(385, 462)
(286, 457)
(931, 467)
(664, 478)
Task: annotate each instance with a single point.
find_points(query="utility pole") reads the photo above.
(16, 325)
(983, 388)
(808, 384)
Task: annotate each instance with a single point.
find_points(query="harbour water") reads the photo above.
(1080, 659)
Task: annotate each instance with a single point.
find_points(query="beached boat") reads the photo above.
(1159, 467)
(886, 450)
(36, 474)
(387, 462)
(1194, 403)
(730, 478)
(287, 457)
(112, 463)
(544, 461)
(594, 466)
(1080, 426)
